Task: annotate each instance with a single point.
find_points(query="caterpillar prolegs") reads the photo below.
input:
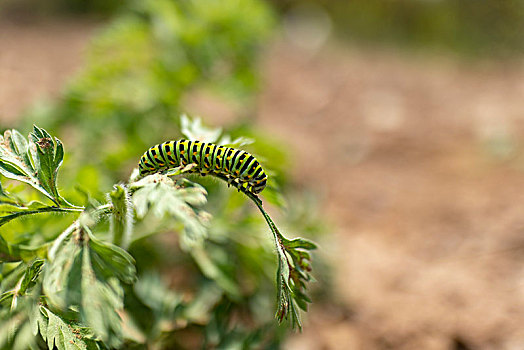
(240, 168)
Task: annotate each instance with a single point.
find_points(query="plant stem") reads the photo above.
(276, 233)
(5, 219)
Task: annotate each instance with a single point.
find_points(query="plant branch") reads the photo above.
(5, 219)
(293, 266)
(276, 233)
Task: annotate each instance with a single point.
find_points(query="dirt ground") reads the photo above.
(36, 59)
(419, 160)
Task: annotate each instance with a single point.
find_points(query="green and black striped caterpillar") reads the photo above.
(238, 167)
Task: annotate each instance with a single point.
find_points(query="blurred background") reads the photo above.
(400, 123)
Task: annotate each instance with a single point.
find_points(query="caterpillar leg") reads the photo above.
(230, 181)
(204, 172)
(243, 185)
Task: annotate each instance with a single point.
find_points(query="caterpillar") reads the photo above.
(239, 168)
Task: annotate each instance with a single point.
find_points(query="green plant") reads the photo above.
(142, 68)
(486, 29)
(204, 265)
(98, 284)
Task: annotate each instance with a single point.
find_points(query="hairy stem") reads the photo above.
(276, 233)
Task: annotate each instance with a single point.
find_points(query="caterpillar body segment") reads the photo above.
(240, 168)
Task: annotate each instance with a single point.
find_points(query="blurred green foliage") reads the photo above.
(471, 27)
(200, 282)
(82, 289)
(140, 68)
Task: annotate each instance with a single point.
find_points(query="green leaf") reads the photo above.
(16, 324)
(20, 281)
(35, 163)
(84, 274)
(294, 268)
(110, 260)
(59, 333)
(160, 195)
(299, 243)
(14, 160)
(12, 277)
(6, 295)
(47, 156)
(16, 334)
(39, 322)
(102, 300)
(294, 265)
(62, 274)
(31, 275)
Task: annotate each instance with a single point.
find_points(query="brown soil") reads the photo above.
(36, 59)
(419, 161)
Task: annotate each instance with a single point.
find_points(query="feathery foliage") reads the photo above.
(171, 260)
(80, 289)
